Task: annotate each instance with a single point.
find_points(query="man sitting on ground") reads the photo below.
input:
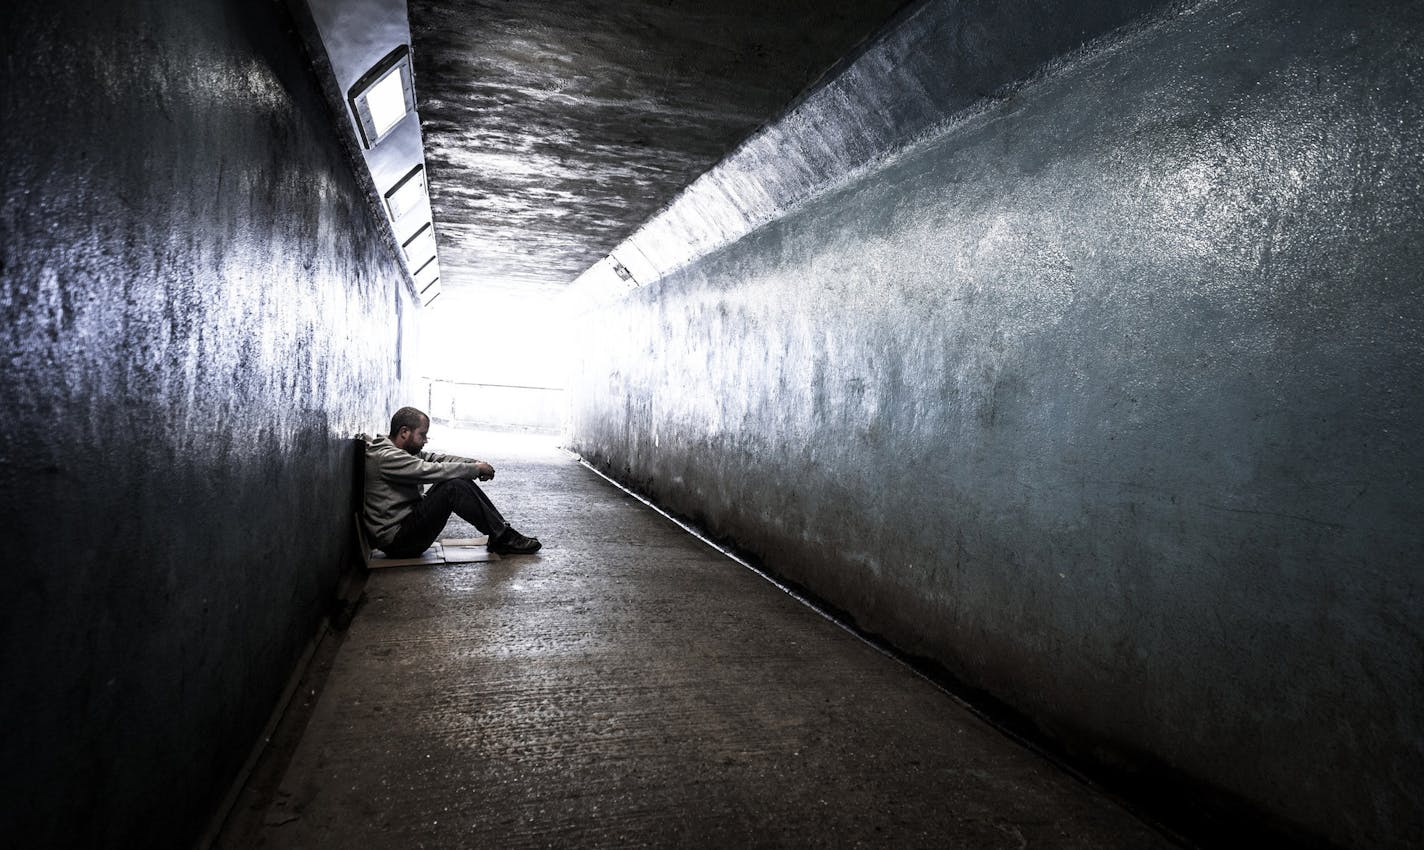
(400, 521)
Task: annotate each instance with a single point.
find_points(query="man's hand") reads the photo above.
(486, 472)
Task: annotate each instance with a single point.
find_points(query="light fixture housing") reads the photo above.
(407, 194)
(429, 294)
(622, 271)
(426, 273)
(383, 96)
(421, 246)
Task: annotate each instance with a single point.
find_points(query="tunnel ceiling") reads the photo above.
(554, 128)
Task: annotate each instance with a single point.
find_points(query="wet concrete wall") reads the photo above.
(197, 309)
(1106, 397)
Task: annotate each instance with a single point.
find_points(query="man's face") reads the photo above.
(415, 440)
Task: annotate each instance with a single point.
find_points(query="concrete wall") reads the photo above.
(197, 309)
(1106, 396)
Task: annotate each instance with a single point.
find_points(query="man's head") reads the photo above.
(409, 429)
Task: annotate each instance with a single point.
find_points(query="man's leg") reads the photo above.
(460, 496)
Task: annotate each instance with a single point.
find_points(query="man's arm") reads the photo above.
(486, 471)
(403, 467)
(443, 458)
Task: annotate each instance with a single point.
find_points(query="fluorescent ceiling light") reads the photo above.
(386, 100)
(426, 273)
(421, 246)
(383, 96)
(407, 194)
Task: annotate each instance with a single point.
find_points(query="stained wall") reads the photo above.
(1105, 396)
(198, 311)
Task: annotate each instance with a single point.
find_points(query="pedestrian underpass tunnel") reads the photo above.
(1073, 349)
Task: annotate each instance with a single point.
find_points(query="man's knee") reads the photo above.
(455, 485)
(456, 492)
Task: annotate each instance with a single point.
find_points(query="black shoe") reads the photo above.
(511, 542)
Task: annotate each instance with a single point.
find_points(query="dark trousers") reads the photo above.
(460, 496)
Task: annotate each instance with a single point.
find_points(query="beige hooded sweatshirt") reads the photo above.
(393, 481)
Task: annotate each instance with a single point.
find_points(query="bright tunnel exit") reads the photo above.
(494, 357)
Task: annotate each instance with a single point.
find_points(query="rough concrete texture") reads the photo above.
(553, 129)
(935, 60)
(1106, 399)
(629, 686)
(196, 307)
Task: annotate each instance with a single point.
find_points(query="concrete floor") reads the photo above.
(630, 686)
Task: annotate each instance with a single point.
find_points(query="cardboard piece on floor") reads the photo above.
(467, 550)
(465, 541)
(434, 555)
(468, 554)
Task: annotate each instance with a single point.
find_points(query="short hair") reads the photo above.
(407, 417)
